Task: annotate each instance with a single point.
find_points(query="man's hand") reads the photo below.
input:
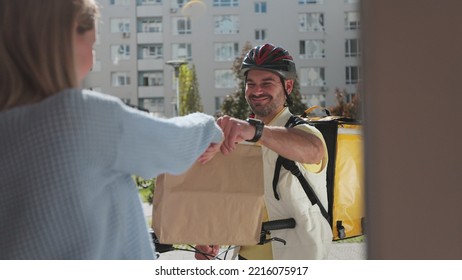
(207, 252)
(235, 131)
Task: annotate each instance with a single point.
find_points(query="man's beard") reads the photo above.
(264, 110)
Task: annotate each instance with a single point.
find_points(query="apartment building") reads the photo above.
(137, 38)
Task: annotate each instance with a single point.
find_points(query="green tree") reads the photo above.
(190, 99)
(236, 105)
(145, 188)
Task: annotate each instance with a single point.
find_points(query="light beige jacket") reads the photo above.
(312, 236)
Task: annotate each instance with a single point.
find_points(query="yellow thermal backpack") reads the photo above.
(345, 173)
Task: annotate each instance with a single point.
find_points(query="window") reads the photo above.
(120, 79)
(315, 100)
(176, 4)
(352, 20)
(219, 100)
(120, 25)
(352, 75)
(226, 3)
(153, 104)
(149, 2)
(120, 52)
(181, 25)
(351, 1)
(312, 76)
(226, 24)
(312, 49)
(119, 2)
(151, 78)
(181, 51)
(260, 7)
(350, 97)
(155, 51)
(260, 34)
(311, 22)
(225, 79)
(150, 25)
(352, 48)
(303, 2)
(226, 51)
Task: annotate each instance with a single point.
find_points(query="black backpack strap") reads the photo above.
(294, 121)
(293, 168)
(277, 171)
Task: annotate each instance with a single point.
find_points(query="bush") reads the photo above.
(146, 188)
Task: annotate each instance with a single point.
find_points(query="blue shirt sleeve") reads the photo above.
(148, 146)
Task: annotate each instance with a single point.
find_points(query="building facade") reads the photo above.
(137, 38)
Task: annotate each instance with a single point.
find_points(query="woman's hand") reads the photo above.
(209, 153)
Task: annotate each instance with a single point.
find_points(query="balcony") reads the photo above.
(149, 37)
(150, 64)
(149, 10)
(150, 91)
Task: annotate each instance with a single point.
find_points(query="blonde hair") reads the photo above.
(36, 47)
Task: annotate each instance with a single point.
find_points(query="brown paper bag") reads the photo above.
(218, 203)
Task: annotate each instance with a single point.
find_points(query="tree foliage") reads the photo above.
(190, 99)
(145, 188)
(235, 104)
(343, 108)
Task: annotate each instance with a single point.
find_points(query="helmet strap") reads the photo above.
(288, 102)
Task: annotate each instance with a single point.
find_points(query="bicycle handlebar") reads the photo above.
(265, 229)
(160, 247)
(275, 225)
(278, 224)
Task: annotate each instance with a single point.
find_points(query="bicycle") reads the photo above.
(266, 229)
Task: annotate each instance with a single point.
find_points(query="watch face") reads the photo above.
(254, 122)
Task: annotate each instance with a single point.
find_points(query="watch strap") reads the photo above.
(259, 125)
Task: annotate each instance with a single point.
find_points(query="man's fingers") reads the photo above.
(206, 252)
(233, 130)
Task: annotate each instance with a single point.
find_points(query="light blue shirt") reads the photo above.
(66, 190)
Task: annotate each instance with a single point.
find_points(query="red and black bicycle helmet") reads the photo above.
(270, 58)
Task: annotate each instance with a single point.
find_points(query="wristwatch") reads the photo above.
(258, 124)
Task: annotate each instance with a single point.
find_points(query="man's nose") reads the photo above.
(257, 89)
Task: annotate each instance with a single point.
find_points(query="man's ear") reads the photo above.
(289, 86)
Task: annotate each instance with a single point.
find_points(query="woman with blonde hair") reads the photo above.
(67, 154)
